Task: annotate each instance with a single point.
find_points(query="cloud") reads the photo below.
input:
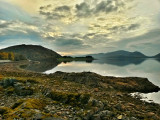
(73, 45)
(68, 42)
(125, 27)
(4, 24)
(148, 40)
(62, 8)
(85, 9)
(109, 6)
(51, 13)
(45, 7)
(17, 29)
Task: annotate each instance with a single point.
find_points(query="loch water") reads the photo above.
(148, 68)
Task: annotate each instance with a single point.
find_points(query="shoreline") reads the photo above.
(64, 95)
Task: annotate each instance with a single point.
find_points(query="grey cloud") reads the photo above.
(84, 9)
(139, 45)
(44, 13)
(56, 13)
(86, 36)
(133, 26)
(149, 37)
(124, 27)
(45, 7)
(105, 6)
(51, 15)
(4, 25)
(14, 28)
(62, 8)
(68, 42)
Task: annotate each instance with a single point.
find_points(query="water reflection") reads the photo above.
(41, 66)
(158, 60)
(121, 62)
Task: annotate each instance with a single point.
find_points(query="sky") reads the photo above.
(77, 27)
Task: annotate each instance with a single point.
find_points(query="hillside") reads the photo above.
(119, 54)
(32, 52)
(157, 56)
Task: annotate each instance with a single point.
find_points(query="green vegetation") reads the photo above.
(11, 56)
(75, 99)
(7, 56)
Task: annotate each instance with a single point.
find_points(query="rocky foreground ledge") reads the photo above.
(74, 96)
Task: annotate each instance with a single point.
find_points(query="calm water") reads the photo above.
(149, 68)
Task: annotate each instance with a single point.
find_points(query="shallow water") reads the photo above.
(149, 68)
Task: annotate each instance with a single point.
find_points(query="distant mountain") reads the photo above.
(33, 52)
(157, 56)
(121, 54)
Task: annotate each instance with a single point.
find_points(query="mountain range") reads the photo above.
(39, 53)
(157, 56)
(121, 54)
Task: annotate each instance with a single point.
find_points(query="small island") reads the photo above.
(70, 59)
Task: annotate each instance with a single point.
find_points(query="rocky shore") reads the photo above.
(28, 95)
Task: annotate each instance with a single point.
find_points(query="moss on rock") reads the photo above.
(75, 99)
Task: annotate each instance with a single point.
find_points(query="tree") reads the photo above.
(11, 56)
(3, 56)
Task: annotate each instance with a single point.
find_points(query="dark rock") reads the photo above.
(133, 118)
(7, 82)
(2, 111)
(77, 118)
(105, 113)
(52, 118)
(96, 117)
(23, 90)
